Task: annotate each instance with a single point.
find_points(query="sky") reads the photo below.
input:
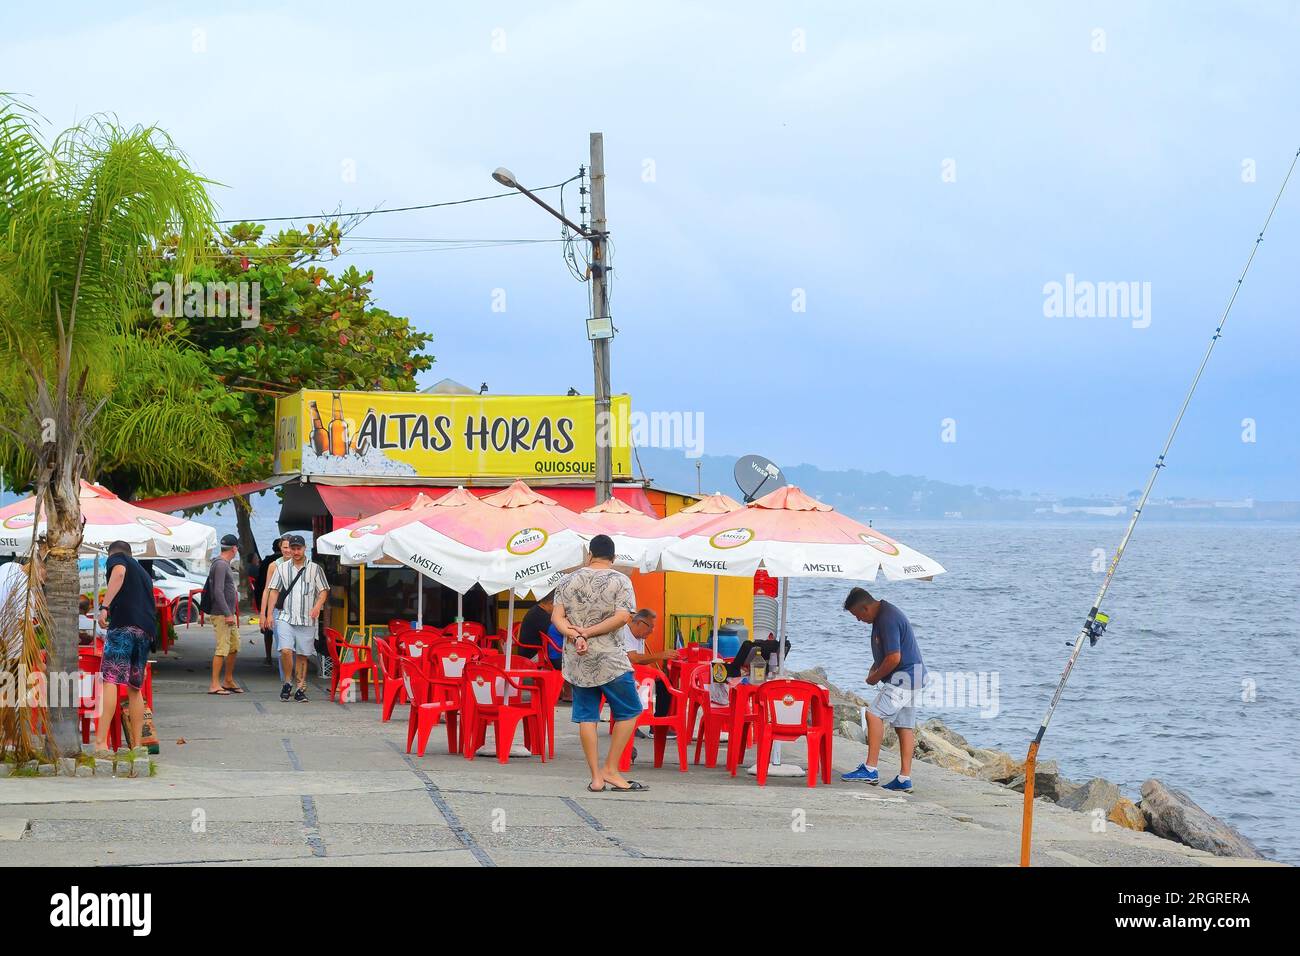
(835, 230)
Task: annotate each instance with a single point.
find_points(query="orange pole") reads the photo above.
(1027, 824)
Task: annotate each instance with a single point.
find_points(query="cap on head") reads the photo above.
(602, 546)
(229, 541)
(296, 541)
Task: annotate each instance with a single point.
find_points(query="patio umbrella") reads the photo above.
(638, 537)
(515, 540)
(790, 534)
(151, 534)
(681, 523)
(363, 541)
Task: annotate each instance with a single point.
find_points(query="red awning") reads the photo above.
(347, 503)
(197, 499)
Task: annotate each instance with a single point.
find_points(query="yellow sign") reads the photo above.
(413, 435)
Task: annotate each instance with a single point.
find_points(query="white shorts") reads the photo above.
(894, 705)
(299, 638)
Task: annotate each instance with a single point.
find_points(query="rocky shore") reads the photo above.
(1162, 810)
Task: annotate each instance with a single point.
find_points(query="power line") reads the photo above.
(376, 212)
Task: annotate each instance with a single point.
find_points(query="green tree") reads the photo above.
(311, 329)
(82, 222)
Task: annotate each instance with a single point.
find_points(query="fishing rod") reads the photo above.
(1095, 623)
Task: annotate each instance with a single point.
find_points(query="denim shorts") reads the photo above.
(621, 692)
(126, 651)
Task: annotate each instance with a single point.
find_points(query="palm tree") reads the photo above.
(81, 221)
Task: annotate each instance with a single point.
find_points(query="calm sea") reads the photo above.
(1195, 682)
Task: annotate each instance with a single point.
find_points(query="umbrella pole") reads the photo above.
(361, 612)
(510, 623)
(715, 617)
(460, 616)
(419, 601)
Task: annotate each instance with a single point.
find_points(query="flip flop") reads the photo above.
(633, 786)
(220, 693)
(603, 788)
(233, 690)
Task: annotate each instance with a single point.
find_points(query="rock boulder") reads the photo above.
(1096, 794)
(1172, 814)
(1126, 814)
(1048, 782)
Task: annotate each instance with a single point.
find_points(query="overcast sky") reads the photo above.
(913, 174)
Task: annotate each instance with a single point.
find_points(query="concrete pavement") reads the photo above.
(262, 781)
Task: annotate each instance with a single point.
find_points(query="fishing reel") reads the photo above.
(1095, 627)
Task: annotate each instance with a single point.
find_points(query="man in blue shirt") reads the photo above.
(899, 672)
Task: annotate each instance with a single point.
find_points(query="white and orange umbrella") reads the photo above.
(362, 542)
(515, 540)
(790, 534)
(638, 537)
(151, 534)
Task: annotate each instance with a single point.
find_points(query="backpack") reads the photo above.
(205, 596)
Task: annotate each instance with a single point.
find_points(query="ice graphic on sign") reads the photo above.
(371, 462)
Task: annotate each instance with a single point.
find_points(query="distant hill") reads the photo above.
(855, 492)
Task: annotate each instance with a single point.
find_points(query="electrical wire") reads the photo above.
(376, 212)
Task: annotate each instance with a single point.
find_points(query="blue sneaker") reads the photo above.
(862, 773)
(899, 784)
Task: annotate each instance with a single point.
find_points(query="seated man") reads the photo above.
(533, 628)
(634, 637)
(85, 623)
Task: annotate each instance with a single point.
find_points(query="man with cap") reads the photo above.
(298, 588)
(222, 597)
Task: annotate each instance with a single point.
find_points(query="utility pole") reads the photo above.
(600, 310)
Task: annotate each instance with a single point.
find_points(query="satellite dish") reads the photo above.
(756, 476)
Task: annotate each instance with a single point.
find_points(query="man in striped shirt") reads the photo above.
(298, 588)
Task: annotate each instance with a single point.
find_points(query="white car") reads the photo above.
(173, 586)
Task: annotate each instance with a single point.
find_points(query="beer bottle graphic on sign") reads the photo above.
(362, 444)
(320, 438)
(338, 428)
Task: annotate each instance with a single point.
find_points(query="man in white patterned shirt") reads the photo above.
(592, 605)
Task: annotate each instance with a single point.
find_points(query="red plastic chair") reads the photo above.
(392, 689)
(360, 664)
(397, 626)
(713, 718)
(646, 685)
(551, 683)
(790, 709)
(744, 725)
(490, 695)
(428, 707)
(469, 631)
(446, 663)
(88, 701)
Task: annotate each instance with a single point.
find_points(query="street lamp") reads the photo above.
(600, 325)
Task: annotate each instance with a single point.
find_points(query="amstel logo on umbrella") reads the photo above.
(155, 526)
(880, 544)
(23, 520)
(364, 530)
(732, 538)
(526, 541)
